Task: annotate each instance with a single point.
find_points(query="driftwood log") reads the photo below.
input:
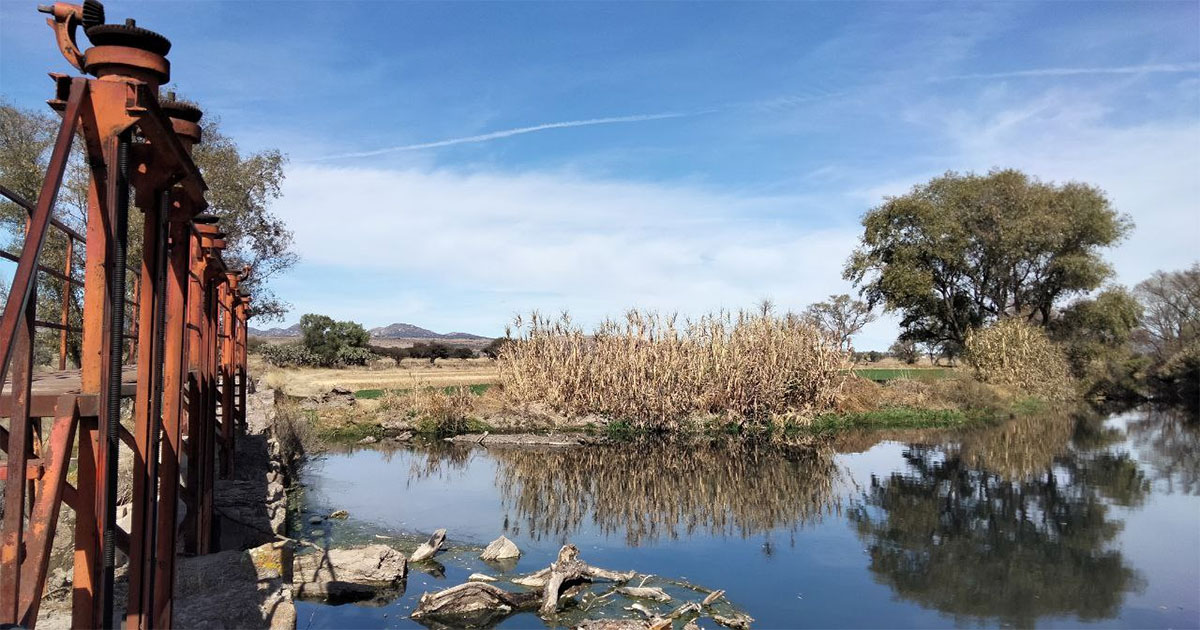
(473, 603)
(429, 547)
(645, 592)
(480, 602)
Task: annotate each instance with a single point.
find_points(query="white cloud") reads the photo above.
(1150, 169)
(464, 250)
(554, 241)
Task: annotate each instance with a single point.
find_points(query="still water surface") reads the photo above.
(1082, 521)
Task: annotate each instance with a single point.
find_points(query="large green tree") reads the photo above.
(963, 250)
(332, 342)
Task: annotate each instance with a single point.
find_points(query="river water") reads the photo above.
(1072, 521)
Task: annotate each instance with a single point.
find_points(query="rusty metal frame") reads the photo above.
(187, 338)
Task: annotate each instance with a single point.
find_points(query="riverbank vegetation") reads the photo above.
(656, 371)
(1000, 276)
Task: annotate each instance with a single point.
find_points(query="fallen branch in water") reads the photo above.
(482, 603)
(429, 547)
(476, 600)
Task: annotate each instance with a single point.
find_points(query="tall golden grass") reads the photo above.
(655, 371)
(1015, 353)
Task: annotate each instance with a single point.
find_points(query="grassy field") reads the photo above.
(882, 375)
(369, 384)
(409, 374)
(371, 394)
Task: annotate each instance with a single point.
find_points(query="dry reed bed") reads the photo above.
(1017, 354)
(655, 371)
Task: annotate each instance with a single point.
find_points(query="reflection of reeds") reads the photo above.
(651, 491)
(436, 459)
(1022, 447)
(654, 371)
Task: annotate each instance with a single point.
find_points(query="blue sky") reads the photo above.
(452, 164)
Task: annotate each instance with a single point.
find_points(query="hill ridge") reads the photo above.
(397, 330)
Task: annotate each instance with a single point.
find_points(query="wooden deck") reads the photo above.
(48, 386)
(57, 383)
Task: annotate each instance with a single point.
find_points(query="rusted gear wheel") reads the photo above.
(93, 14)
(131, 36)
(182, 110)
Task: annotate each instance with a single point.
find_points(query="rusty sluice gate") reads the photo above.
(185, 326)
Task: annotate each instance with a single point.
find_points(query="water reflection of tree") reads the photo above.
(651, 491)
(982, 546)
(1168, 440)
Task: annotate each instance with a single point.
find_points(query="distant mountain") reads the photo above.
(290, 331)
(401, 330)
(393, 331)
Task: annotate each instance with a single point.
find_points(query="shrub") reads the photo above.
(492, 350)
(1178, 378)
(422, 350)
(396, 354)
(436, 411)
(654, 373)
(292, 354)
(905, 350)
(294, 430)
(347, 355)
(1014, 353)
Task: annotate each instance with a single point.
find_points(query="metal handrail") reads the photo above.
(73, 237)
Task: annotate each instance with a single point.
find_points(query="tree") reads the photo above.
(1171, 333)
(906, 350)
(241, 188)
(26, 137)
(961, 251)
(333, 342)
(841, 317)
(1095, 330)
(492, 350)
(1172, 310)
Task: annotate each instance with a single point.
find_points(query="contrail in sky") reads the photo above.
(484, 137)
(770, 103)
(1066, 72)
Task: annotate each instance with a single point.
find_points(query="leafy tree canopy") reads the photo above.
(241, 187)
(333, 342)
(963, 250)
